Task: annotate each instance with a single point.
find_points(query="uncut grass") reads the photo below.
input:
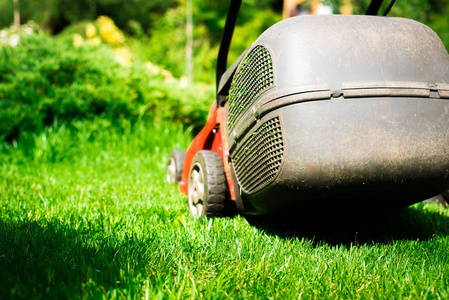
(85, 213)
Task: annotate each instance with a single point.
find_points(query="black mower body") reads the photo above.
(352, 110)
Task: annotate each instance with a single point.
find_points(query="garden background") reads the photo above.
(94, 95)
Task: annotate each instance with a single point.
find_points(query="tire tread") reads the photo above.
(215, 205)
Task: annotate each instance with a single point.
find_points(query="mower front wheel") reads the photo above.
(207, 185)
(175, 166)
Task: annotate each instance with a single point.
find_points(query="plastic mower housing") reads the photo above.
(351, 111)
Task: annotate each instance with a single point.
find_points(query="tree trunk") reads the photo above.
(16, 16)
(189, 42)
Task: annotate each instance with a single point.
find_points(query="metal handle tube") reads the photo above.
(226, 38)
(373, 7)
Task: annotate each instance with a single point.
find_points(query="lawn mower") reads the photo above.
(343, 111)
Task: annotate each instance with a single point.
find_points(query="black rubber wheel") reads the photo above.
(175, 166)
(207, 185)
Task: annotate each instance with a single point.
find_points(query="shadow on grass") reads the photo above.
(48, 260)
(346, 228)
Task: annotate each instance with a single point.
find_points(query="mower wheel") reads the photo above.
(207, 185)
(175, 166)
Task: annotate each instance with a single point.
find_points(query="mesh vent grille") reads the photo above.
(254, 75)
(259, 159)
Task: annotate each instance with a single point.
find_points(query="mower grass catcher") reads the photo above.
(350, 111)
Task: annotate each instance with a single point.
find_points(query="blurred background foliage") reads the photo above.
(157, 28)
(118, 59)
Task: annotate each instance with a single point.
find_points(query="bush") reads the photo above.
(45, 78)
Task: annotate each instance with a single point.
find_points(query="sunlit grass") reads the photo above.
(85, 213)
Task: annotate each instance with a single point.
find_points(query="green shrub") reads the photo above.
(45, 78)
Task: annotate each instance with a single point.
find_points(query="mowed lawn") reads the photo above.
(86, 214)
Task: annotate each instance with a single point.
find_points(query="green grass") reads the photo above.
(85, 213)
